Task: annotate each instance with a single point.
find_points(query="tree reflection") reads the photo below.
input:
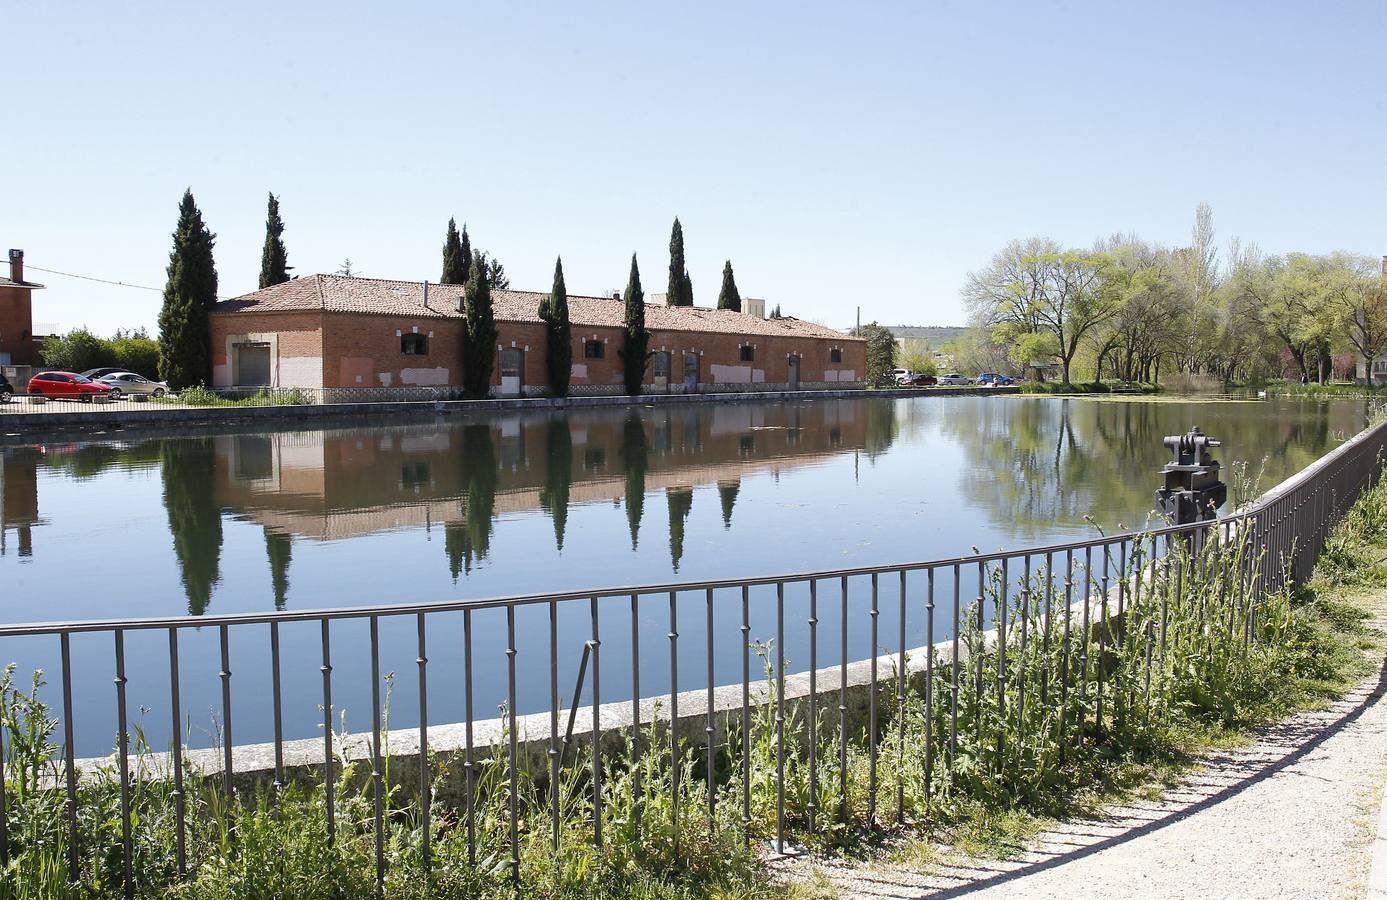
(279, 548)
(470, 540)
(558, 475)
(680, 500)
(635, 459)
(195, 521)
(727, 493)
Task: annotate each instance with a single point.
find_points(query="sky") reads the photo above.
(841, 155)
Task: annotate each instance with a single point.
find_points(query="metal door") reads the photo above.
(252, 365)
(512, 372)
(691, 371)
(794, 373)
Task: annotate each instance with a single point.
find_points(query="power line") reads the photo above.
(90, 278)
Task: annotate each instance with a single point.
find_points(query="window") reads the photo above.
(661, 364)
(835, 355)
(747, 353)
(593, 349)
(414, 344)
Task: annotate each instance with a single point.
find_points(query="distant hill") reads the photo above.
(935, 334)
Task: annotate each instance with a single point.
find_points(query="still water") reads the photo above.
(218, 521)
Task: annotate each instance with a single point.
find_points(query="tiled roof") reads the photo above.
(377, 296)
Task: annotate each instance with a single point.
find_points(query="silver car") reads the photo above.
(954, 378)
(124, 384)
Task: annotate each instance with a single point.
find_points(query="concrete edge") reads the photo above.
(1376, 888)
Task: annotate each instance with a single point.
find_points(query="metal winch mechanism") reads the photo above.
(1192, 492)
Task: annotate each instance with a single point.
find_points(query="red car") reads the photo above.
(66, 386)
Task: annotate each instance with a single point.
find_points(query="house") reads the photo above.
(348, 334)
(17, 344)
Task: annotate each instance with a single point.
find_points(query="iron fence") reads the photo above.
(1048, 619)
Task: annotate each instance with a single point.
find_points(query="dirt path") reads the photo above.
(1291, 815)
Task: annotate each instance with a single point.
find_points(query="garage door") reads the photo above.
(253, 364)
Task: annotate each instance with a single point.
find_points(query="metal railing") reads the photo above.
(1071, 596)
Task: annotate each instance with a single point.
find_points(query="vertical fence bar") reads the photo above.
(70, 766)
(123, 750)
(873, 614)
(746, 716)
(780, 717)
(277, 708)
(596, 727)
(329, 780)
(813, 704)
(1021, 667)
(843, 700)
(1064, 648)
(1085, 637)
(929, 686)
(513, 807)
(674, 715)
(227, 743)
(1001, 618)
(425, 788)
(554, 798)
(709, 727)
(176, 744)
(637, 799)
(468, 765)
(1103, 626)
(377, 776)
(953, 676)
(1045, 639)
(900, 710)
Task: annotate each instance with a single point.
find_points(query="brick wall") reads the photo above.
(364, 351)
(17, 325)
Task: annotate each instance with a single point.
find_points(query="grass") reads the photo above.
(1084, 714)
(202, 396)
(1092, 387)
(1316, 391)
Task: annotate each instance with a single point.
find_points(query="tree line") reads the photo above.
(184, 345)
(1134, 310)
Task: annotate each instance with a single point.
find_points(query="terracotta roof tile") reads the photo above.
(376, 296)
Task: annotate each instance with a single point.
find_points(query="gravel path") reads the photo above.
(1291, 815)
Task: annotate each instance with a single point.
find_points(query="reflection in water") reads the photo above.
(558, 475)
(195, 522)
(727, 493)
(680, 501)
(279, 548)
(635, 460)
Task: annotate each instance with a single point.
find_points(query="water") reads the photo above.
(217, 521)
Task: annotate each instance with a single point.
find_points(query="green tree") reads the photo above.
(496, 273)
(479, 353)
(635, 354)
(185, 355)
(680, 287)
(134, 351)
(76, 351)
(881, 351)
(728, 296)
(457, 257)
(274, 259)
(553, 309)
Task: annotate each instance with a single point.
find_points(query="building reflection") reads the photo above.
(463, 478)
(19, 500)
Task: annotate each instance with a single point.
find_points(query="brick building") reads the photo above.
(353, 334)
(17, 347)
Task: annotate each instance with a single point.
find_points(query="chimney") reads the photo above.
(616, 295)
(17, 266)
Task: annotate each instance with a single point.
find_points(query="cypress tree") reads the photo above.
(185, 353)
(274, 259)
(456, 259)
(729, 297)
(553, 309)
(680, 288)
(479, 343)
(636, 352)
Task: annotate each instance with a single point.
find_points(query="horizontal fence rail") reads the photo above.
(561, 713)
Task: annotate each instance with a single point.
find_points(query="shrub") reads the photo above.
(80, 350)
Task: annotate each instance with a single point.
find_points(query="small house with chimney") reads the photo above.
(17, 344)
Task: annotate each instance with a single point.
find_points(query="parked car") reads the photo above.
(994, 379)
(953, 378)
(915, 379)
(66, 386)
(127, 383)
(899, 375)
(98, 374)
(6, 389)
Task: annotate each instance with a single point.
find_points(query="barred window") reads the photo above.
(748, 353)
(414, 344)
(593, 349)
(835, 355)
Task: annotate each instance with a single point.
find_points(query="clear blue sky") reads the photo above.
(838, 154)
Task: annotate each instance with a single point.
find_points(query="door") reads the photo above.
(660, 363)
(512, 372)
(794, 373)
(252, 365)
(691, 371)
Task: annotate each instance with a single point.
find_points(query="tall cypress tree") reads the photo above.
(274, 259)
(553, 309)
(636, 352)
(456, 259)
(185, 353)
(479, 351)
(729, 297)
(680, 288)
